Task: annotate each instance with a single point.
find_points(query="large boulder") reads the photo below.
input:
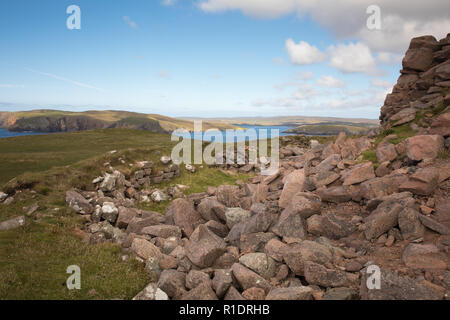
(359, 173)
(211, 209)
(259, 262)
(422, 182)
(424, 256)
(422, 147)
(386, 152)
(319, 275)
(396, 287)
(382, 186)
(297, 254)
(77, 202)
(172, 282)
(291, 293)
(110, 212)
(145, 249)
(12, 223)
(181, 213)
(410, 225)
(441, 125)
(228, 195)
(295, 182)
(248, 279)
(235, 215)
(336, 194)
(385, 217)
(204, 247)
(151, 292)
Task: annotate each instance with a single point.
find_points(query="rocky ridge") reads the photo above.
(309, 231)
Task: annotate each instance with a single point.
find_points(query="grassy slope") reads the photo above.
(34, 258)
(329, 129)
(111, 116)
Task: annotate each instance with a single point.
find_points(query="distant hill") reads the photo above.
(64, 121)
(329, 129)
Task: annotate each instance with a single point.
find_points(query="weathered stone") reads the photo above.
(403, 116)
(159, 196)
(233, 294)
(358, 174)
(441, 125)
(228, 195)
(295, 182)
(181, 213)
(341, 293)
(204, 247)
(125, 216)
(254, 294)
(3, 196)
(274, 249)
(172, 282)
(211, 209)
(12, 223)
(422, 182)
(218, 228)
(424, 256)
(201, 292)
(291, 293)
(434, 225)
(335, 228)
(386, 152)
(422, 147)
(149, 218)
(319, 275)
(255, 242)
(248, 279)
(261, 263)
(222, 281)
(195, 278)
(395, 287)
(163, 231)
(110, 212)
(379, 187)
(109, 183)
(410, 225)
(297, 254)
(418, 59)
(385, 217)
(145, 249)
(151, 292)
(236, 215)
(77, 202)
(334, 194)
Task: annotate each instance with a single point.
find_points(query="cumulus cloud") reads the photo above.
(304, 53)
(352, 57)
(304, 92)
(399, 21)
(130, 22)
(330, 81)
(303, 75)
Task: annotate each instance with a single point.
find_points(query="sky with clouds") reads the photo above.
(210, 58)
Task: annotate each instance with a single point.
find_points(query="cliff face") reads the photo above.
(423, 87)
(57, 124)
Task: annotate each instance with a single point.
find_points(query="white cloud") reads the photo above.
(330, 81)
(304, 92)
(399, 21)
(352, 57)
(381, 83)
(130, 22)
(303, 75)
(76, 83)
(304, 53)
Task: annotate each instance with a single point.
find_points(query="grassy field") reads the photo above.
(34, 258)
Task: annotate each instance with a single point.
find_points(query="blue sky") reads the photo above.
(210, 58)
